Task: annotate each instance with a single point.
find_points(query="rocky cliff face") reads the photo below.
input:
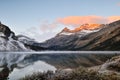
(8, 40)
(107, 37)
(5, 30)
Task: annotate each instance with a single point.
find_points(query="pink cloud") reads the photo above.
(113, 18)
(78, 20)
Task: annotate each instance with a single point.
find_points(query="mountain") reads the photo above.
(87, 37)
(30, 43)
(10, 42)
(85, 28)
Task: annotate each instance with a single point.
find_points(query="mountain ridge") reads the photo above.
(11, 42)
(107, 38)
(84, 27)
(104, 37)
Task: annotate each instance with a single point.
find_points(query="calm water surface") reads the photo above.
(15, 65)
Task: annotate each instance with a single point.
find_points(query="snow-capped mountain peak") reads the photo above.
(85, 29)
(8, 40)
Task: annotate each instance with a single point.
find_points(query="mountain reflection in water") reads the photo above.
(19, 64)
(15, 66)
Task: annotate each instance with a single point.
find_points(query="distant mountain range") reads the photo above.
(99, 37)
(86, 37)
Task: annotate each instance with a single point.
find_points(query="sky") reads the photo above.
(43, 19)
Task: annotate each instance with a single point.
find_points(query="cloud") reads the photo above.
(74, 21)
(113, 18)
(44, 31)
(78, 20)
(46, 26)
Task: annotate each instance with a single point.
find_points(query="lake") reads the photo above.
(15, 65)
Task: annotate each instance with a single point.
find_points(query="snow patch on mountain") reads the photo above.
(65, 33)
(8, 40)
(11, 45)
(80, 33)
(25, 39)
(1, 34)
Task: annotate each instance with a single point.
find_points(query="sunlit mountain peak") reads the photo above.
(83, 27)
